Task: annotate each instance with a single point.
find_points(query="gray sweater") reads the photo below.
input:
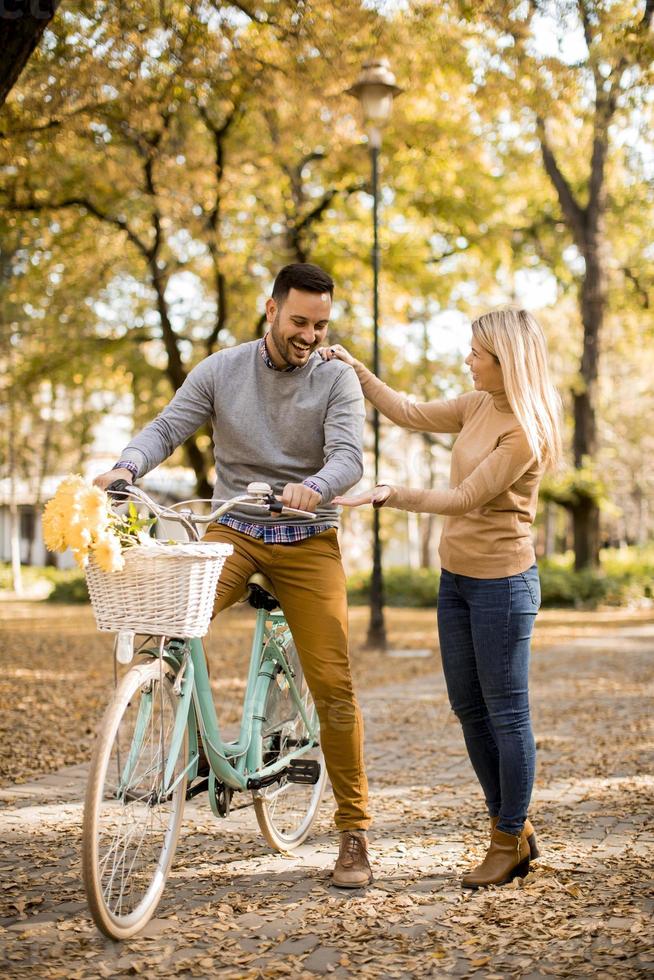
(278, 427)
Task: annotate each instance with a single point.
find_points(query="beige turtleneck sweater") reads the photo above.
(491, 503)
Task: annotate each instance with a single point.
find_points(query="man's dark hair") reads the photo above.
(303, 276)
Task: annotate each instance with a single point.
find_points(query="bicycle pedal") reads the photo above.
(303, 771)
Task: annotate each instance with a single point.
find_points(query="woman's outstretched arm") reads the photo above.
(500, 470)
(434, 416)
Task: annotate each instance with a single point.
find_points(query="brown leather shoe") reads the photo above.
(352, 868)
(507, 858)
(528, 832)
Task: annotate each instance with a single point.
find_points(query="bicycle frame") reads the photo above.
(231, 763)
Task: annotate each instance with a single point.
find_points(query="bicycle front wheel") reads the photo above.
(131, 820)
(286, 810)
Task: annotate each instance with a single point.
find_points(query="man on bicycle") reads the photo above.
(282, 415)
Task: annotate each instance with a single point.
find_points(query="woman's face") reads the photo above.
(486, 372)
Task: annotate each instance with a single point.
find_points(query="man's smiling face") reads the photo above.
(297, 327)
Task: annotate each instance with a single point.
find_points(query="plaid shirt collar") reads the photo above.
(263, 350)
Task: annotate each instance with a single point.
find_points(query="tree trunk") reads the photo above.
(427, 521)
(177, 375)
(376, 638)
(585, 531)
(587, 227)
(642, 517)
(260, 327)
(592, 303)
(549, 532)
(21, 27)
(586, 515)
(14, 514)
(44, 469)
(14, 535)
(426, 536)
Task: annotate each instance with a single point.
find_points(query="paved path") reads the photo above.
(233, 909)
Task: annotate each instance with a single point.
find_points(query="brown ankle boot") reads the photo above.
(507, 858)
(528, 832)
(352, 868)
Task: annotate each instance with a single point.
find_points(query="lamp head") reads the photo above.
(375, 88)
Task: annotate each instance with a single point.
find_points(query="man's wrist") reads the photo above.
(312, 486)
(127, 464)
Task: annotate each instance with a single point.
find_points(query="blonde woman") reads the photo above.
(507, 435)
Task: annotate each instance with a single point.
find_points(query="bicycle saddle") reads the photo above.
(260, 593)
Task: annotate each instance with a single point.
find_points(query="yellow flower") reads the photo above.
(75, 516)
(69, 490)
(59, 511)
(79, 517)
(107, 553)
(79, 536)
(53, 527)
(94, 508)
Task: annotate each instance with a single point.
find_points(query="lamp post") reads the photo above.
(375, 89)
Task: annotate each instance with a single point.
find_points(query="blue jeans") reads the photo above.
(485, 628)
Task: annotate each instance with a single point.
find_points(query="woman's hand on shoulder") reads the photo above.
(337, 352)
(377, 497)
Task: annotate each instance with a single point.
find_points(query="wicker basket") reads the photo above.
(163, 589)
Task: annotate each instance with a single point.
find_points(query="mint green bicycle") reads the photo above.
(146, 759)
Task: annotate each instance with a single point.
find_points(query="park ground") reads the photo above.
(234, 909)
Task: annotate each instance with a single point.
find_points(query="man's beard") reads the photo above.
(285, 348)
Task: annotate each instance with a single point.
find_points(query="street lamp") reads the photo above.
(375, 89)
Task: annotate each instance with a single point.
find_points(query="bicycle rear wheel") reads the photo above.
(131, 826)
(286, 810)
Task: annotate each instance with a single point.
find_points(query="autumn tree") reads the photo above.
(572, 98)
(177, 146)
(173, 156)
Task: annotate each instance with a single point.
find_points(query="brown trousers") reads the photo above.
(309, 582)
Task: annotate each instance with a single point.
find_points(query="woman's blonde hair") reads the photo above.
(516, 341)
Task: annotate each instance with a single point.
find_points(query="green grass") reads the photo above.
(66, 584)
(626, 578)
(413, 587)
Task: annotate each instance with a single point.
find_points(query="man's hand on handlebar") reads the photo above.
(105, 479)
(299, 497)
(295, 499)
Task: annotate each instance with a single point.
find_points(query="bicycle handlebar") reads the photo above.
(259, 496)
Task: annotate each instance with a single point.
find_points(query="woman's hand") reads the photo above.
(337, 351)
(378, 496)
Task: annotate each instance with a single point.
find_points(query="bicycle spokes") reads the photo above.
(133, 817)
(287, 807)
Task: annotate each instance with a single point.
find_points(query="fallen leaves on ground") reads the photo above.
(233, 909)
